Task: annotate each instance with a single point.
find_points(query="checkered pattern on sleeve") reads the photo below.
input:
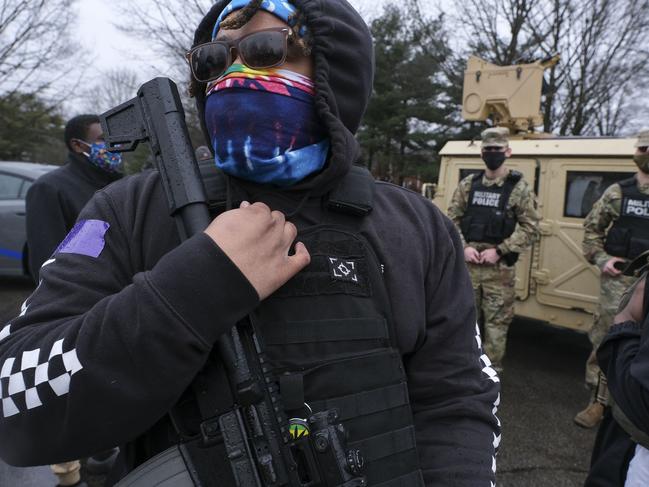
(36, 376)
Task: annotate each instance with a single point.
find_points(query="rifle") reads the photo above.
(256, 432)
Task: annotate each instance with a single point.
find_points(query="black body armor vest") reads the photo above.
(487, 218)
(629, 235)
(328, 337)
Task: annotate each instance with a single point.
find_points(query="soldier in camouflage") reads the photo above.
(495, 211)
(615, 231)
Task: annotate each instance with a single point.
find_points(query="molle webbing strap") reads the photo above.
(366, 402)
(387, 444)
(354, 195)
(412, 479)
(296, 332)
(291, 387)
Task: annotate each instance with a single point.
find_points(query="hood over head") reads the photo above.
(343, 57)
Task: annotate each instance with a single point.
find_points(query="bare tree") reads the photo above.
(168, 25)
(606, 53)
(117, 86)
(497, 27)
(34, 44)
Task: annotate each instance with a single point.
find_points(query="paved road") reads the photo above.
(26, 477)
(542, 389)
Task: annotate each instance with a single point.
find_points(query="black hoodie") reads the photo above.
(125, 316)
(54, 202)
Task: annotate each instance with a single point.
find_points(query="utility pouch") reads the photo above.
(617, 242)
(511, 258)
(637, 246)
(472, 230)
(496, 228)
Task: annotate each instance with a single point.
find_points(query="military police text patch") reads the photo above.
(343, 270)
(636, 207)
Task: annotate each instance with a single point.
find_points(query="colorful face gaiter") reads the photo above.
(263, 126)
(100, 157)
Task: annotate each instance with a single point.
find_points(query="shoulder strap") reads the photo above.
(476, 180)
(637, 435)
(628, 183)
(354, 195)
(510, 183)
(215, 183)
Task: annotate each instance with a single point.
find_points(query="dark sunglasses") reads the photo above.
(263, 49)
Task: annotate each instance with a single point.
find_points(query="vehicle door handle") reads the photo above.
(20, 213)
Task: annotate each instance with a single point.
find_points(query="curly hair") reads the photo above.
(242, 16)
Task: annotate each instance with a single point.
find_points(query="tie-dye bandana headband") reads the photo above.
(283, 10)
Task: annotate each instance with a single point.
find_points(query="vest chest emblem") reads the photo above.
(486, 198)
(343, 270)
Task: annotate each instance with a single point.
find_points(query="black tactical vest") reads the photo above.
(629, 235)
(487, 219)
(328, 337)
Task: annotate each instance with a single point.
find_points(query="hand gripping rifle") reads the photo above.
(264, 448)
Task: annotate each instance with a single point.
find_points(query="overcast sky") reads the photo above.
(108, 48)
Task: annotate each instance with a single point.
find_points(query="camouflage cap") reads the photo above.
(495, 137)
(643, 138)
(638, 265)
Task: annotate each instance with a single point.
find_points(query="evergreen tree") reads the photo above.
(410, 111)
(30, 129)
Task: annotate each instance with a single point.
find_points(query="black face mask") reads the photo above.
(493, 160)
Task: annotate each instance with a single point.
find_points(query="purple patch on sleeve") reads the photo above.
(85, 238)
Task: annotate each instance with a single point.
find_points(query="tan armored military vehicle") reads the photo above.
(554, 283)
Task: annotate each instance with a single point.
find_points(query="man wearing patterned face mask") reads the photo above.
(53, 203)
(55, 199)
(496, 212)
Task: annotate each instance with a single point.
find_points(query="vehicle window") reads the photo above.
(465, 172)
(23, 190)
(9, 186)
(584, 188)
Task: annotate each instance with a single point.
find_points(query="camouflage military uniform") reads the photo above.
(605, 211)
(493, 285)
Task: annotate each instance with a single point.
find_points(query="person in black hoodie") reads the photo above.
(621, 452)
(55, 200)
(372, 310)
